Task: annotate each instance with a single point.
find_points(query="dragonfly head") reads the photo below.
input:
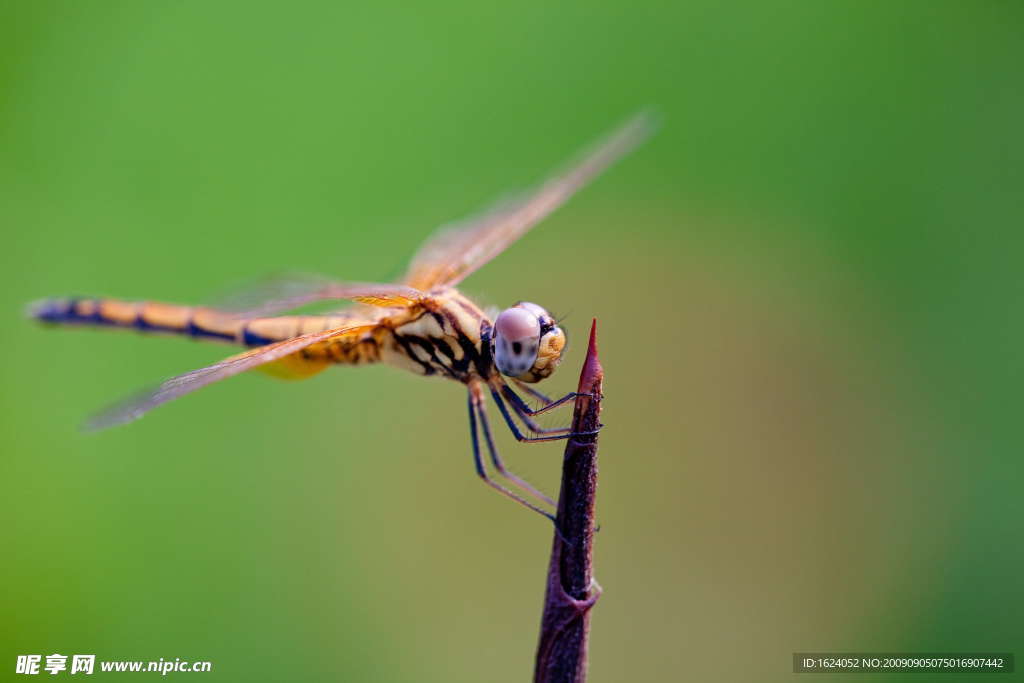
(527, 343)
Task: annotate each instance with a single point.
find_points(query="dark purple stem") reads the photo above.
(571, 588)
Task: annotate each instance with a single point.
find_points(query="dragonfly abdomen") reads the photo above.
(143, 316)
(210, 325)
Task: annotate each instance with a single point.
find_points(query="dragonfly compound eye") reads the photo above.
(516, 341)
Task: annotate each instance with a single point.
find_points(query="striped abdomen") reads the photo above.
(210, 325)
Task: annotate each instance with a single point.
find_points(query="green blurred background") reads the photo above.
(808, 287)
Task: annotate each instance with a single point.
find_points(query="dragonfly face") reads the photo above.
(527, 342)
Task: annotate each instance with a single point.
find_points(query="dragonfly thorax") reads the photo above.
(527, 343)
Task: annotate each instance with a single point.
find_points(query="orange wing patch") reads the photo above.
(294, 367)
(345, 348)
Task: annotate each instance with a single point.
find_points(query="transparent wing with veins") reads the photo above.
(459, 249)
(283, 292)
(254, 295)
(136, 406)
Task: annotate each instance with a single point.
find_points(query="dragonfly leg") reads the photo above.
(516, 432)
(548, 403)
(531, 391)
(475, 408)
(522, 410)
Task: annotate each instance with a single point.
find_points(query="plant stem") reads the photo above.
(571, 588)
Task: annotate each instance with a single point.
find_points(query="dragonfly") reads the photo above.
(421, 323)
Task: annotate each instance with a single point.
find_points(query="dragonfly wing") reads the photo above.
(459, 249)
(253, 295)
(284, 292)
(135, 406)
